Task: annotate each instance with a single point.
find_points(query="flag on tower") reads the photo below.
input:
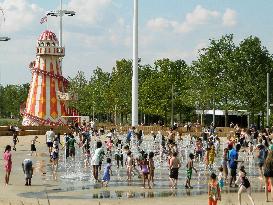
(43, 20)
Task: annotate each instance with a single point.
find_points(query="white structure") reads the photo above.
(135, 67)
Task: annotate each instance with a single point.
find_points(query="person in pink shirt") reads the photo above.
(7, 163)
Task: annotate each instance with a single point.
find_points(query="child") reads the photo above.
(28, 171)
(118, 153)
(213, 190)
(244, 185)
(130, 164)
(190, 167)
(225, 163)
(87, 158)
(55, 159)
(206, 157)
(221, 178)
(174, 165)
(144, 165)
(7, 163)
(15, 139)
(32, 146)
(106, 174)
(152, 167)
(109, 145)
(211, 156)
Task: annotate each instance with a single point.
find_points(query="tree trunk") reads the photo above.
(226, 118)
(263, 119)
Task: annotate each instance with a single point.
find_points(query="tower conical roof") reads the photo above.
(48, 36)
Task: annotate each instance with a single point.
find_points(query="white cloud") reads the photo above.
(198, 16)
(159, 23)
(19, 14)
(88, 11)
(229, 18)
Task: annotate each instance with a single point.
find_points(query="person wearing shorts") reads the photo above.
(32, 146)
(50, 135)
(174, 166)
(71, 146)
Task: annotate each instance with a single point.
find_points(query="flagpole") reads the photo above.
(61, 24)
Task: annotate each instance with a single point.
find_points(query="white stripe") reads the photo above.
(38, 95)
(31, 91)
(47, 91)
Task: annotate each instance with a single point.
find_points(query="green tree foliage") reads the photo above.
(251, 63)
(233, 76)
(12, 96)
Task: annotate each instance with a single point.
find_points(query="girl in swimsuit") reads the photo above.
(145, 170)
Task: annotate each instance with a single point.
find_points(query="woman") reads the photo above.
(244, 185)
(7, 163)
(268, 174)
(97, 159)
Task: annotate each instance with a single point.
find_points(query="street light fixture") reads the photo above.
(4, 38)
(61, 13)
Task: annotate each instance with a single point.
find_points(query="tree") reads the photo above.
(252, 62)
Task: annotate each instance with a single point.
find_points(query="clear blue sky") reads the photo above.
(101, 31)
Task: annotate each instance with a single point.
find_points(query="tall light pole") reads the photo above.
(172, 109)
(267, 99)
(61, 13)
(135, 67)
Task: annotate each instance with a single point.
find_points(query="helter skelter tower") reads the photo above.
(43, 107)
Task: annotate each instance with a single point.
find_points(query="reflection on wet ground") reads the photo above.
(75, 182)
(109, 194)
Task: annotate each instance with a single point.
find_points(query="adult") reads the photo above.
(233, 163)
(174, 165)
(7, 163)
(130, 134)
(261, 155)
(97, 159)
(50, 136)
(268, 174)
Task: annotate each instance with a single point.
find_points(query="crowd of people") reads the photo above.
(207, 148)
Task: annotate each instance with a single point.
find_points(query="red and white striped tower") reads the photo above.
(43, 107)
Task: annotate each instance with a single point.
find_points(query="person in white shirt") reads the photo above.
(50, 136)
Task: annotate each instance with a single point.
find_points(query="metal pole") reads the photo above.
(135, 67)
(93, 113)
(115, 114)
(172, 108)
(213, 115)
(61, 24)
(267, 101)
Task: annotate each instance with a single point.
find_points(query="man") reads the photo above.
(50, 135)
(233, 163)
(130, 134)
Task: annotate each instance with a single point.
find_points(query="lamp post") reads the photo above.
(267, 99)
(61, 13)
(135, 67)
(4, 38)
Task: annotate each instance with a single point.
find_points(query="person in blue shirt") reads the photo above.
(233, 162)
(130, 135)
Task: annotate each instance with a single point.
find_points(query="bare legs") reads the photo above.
(241, 190)
(7, 177)
(267, 179)
(95, 172)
